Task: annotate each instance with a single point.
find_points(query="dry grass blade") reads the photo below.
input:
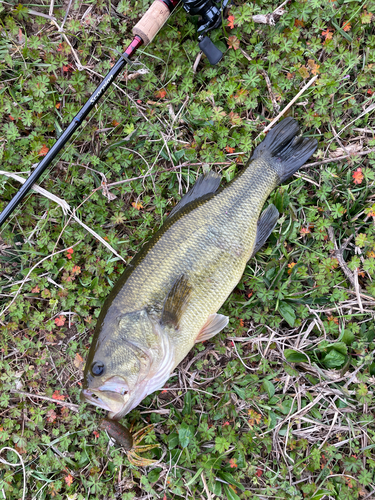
(281, 114)
(66, 209)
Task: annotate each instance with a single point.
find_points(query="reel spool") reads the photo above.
(210, 13)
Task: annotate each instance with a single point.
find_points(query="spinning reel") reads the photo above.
(210, 12)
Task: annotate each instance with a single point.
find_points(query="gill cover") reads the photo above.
(137, 359)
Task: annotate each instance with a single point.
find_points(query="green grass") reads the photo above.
(279, 405)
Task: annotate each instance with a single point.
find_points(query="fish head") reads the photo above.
(129, 358)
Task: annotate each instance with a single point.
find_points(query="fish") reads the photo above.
(169, 296)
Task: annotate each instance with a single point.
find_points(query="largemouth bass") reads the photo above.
(168, 297)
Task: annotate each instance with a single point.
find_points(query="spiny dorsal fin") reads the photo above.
(266, 223)
(176, 302)
(214, 325)
(288, 150)
(206, 184)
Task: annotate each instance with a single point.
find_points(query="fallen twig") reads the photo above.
(21, 462)
(31, 270)
(339, 256)
(270, 125)
(338, 158)
(29, 395)
(67, 209)
(276, 106)
(272, 17)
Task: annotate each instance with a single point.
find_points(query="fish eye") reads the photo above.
(97, 368)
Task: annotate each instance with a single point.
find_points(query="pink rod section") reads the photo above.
(134, 45)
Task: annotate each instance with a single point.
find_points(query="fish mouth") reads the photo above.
(112, 396)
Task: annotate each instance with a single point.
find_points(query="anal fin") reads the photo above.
(214, 324)
(176, 302)
(266, 223)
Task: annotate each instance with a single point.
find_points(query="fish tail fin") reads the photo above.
(287, 150)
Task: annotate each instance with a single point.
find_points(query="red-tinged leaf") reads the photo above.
(291, 265)
(35, 289)
(314, 67)
(20, 449)
(60, 320)
(241, 95)
(259, 472)
(332, 318)
(11, 118)
(235, 118)
(233, 463)
(68, 479)
(43, 151)
(299, 24)
(228, 149)
(328, 34)
(304, 72)
(161, 93)
(58, 105)
(370, 92)
(366, 17)
(230, 22)
(65, 413)
(358, 176)
(51, 416)
(347, 26)
(137, 205)
(115, 123)
(233, 42)
(59, 397)
(78, 361)
(76, 270)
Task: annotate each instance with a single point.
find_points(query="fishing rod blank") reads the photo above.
(144, 31)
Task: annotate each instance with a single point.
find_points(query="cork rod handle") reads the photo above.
(152, 21)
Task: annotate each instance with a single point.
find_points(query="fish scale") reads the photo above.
(168, 297)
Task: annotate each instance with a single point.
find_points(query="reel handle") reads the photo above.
(212, 53)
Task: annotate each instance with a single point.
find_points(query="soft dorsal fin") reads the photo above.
(206, 184)
(266, 223)
(214, 324)
(176, 302)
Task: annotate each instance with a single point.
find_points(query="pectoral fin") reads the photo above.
(214, 325)
(176, 302)
(266, 223)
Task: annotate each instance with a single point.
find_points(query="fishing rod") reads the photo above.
(210, 15)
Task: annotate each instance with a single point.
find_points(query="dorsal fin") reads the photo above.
(206, 184)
